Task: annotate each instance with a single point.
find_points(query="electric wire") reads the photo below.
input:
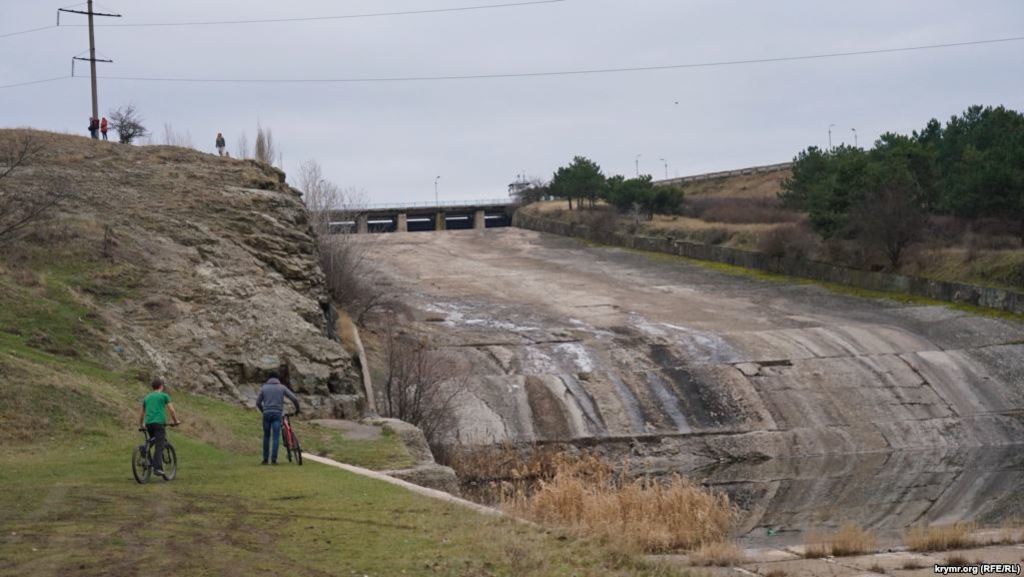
(579, 72)
(294, 19)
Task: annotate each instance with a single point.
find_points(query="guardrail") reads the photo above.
(725, 174)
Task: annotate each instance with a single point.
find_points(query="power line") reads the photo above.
(299, 19)
(30, 82)
(548, 73)
(580, 72)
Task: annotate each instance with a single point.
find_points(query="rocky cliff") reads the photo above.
(210, 272)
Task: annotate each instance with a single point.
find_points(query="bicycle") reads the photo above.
(291, 441)
(142, 459)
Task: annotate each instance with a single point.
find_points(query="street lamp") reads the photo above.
(638, 165)
(436, 201)
(830, 136)
(855, 144)
(665, 162)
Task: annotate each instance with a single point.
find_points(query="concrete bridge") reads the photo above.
(425, 216)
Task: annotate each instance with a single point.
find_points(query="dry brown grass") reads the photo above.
(848, 540)
(720, 554)
(586, 496)
(940, 537)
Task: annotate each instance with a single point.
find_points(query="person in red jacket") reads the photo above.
(103, 127)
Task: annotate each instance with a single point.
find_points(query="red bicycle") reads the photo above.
(291, 441)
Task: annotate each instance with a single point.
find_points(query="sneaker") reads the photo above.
(263, 462)
(273, 462)
(159, 472)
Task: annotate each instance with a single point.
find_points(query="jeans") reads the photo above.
(271, 424)
(159, 433)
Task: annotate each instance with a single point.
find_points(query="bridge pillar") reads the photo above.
(402, 222)
(480, 220)
(439, 223)
(362, 224)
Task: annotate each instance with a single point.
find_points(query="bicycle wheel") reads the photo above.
(170, 463)
(297, 449)
(140, 465)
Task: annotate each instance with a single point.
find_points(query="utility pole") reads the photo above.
(665, 162)
(638, 165)
(830, 136)
(92, 53)
(856, 144)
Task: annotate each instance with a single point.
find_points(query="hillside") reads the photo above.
(199, 267)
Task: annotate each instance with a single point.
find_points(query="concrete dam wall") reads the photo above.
(678, 366)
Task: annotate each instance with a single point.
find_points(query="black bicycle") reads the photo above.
(143, 455)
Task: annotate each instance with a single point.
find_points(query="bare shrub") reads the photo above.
(788, 242)
(128, 123)
(27, 203)
(719, 554)
(422, 384)
(940, 537)
(174, 138)
(848, 540)
(353, 281)
(588, 497)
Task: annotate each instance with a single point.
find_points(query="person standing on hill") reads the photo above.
(221, 144)
(152, 416)
(270, 402)
(94, 127)
(104, 126)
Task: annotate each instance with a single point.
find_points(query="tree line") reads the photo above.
(584, 182)
(972, 167)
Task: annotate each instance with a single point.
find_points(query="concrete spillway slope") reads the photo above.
(680, 364)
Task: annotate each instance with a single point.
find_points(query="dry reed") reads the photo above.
(940, 537)
(848, 540)
(588, 497)
(719, 554)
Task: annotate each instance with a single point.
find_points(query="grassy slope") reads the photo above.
(71, 506)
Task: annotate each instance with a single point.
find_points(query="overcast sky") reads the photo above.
(391, 139)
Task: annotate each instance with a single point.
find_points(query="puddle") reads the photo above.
(784, 499)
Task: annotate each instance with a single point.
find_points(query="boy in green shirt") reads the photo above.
(151, 415)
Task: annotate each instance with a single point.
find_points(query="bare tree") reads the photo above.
(243, 147)
(353, 281)
(422, 386)
(266, 149)
(24, 205)
(128, 124)
(173, 138)
(891, 219)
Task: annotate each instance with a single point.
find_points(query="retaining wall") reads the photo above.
(952, 292)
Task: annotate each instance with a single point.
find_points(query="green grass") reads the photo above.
(72, 507)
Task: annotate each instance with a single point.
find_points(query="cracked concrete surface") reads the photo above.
(681, 365)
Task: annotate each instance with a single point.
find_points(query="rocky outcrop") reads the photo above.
(224, 284)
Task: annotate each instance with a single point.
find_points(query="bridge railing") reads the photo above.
(725, 174)
(442, 204)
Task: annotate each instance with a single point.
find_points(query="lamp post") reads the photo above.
(855, 143)
(638, 165)
(830, 136)
(665, 162)
(437, 202)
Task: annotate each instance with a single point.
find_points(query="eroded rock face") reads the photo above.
(227, 285)
(676, 365)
